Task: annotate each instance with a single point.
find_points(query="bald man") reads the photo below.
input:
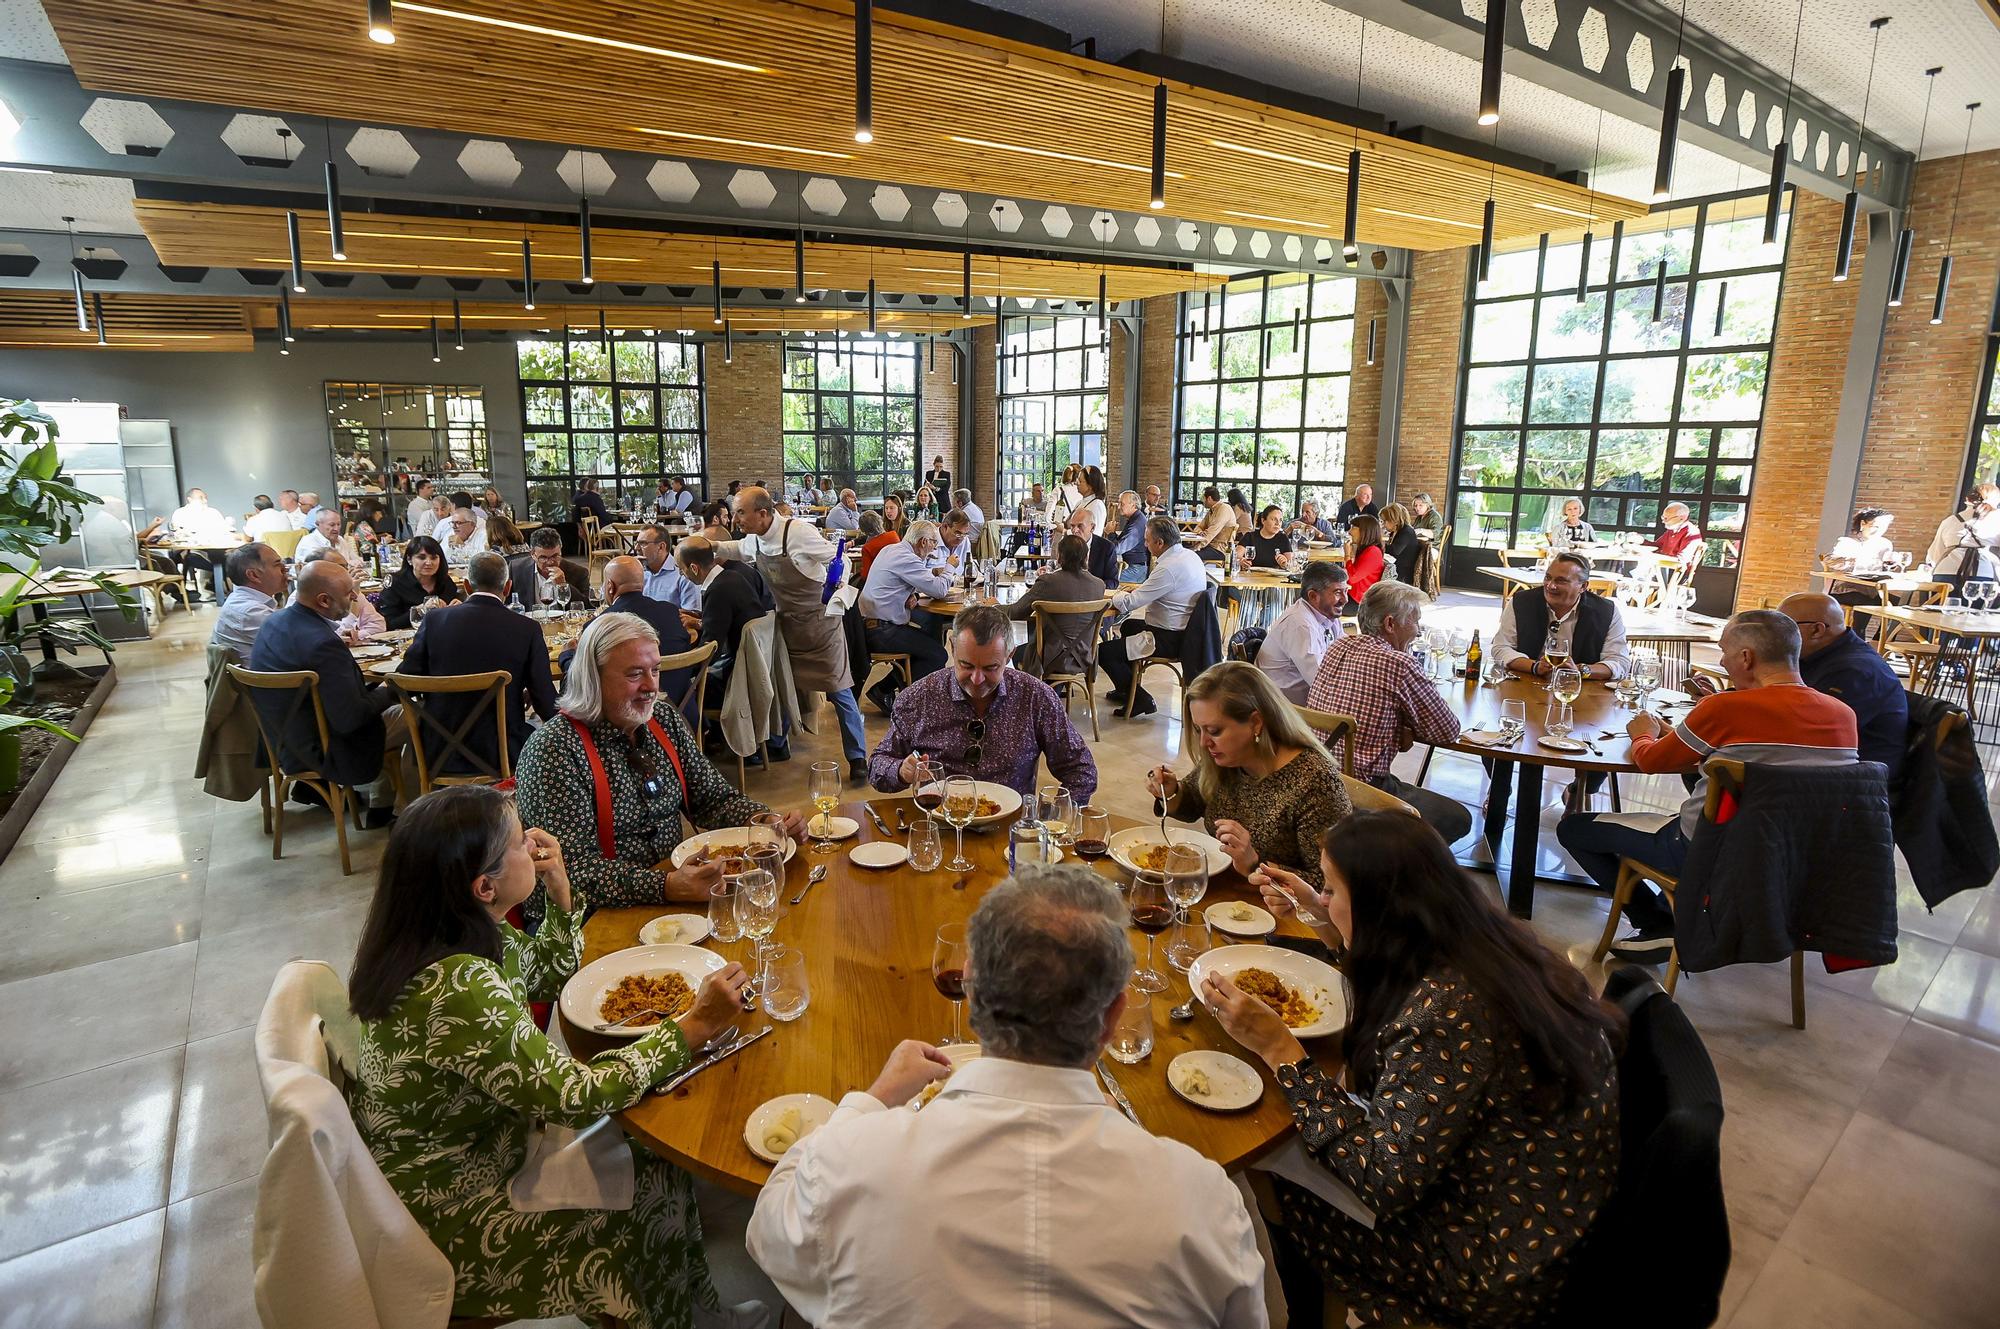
(361, 719)
(1835, 660)
(625, 593)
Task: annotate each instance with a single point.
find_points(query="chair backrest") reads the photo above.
(301, 686)
(285, 542)
(416, 690)
(1095, 610)
(696, 659)
(1367, 798)
(1337, 728)
(1917, 595)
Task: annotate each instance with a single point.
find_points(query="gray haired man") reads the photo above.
(1018, 1195)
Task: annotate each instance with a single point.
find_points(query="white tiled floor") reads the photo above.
(1862, 1156)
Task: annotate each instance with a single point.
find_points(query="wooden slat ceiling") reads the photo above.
(486, 316)
(227, 235)
(768, 82)
(131, 322)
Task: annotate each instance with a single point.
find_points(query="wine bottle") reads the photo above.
(1474, 657)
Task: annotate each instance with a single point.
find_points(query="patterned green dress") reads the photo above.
(450, 1083)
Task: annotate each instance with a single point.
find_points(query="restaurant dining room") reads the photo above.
(806, 664)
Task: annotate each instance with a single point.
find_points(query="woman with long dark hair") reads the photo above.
(455, 1076)
(1364, 555)
(1485, 1132)
(422, 580)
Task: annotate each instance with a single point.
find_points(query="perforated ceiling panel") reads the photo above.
(25, 33)
(102, 204)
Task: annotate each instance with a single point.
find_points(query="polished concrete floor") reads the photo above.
(145, 922)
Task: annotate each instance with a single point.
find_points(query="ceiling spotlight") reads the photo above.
(1843, 254)
(864, 71)
(528, 271)
(335, 231)
(1159, 196)
(380, 28)
(1489, 65)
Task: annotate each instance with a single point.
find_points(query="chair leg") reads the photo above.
(284, 788)
(1627, 879)
(264, 799)
(742, 773)
(1615, 807)
(1798, 989)
(1132, 693)
(337, 803)
(1425, 769)
(1673, 970)
(1090, 704)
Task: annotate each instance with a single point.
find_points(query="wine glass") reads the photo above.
(948, 972)
(1093, 832)
(1566, 683)
(768, 828)
(929, 786)
(756, 915)
(1187, 881)
(1151, 912)
(961, 803)
(1557, 661)
(1058, 813)
(1560, 720)
(1514, 719)
(562, 594)
(825, 793)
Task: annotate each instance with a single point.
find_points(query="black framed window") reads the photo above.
(1054, 399)
(627, 412)
(1982, 465)
(1264, 371)
(1596, 399)
(853, 412)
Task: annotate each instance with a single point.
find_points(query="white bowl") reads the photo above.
(1122, 843)
(1315, 980)
(736, 836)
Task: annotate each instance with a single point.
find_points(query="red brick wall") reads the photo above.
(745, 415)
(940, 395)
(1116, 409)
(1430, 374)
(1157, 383)
(1364, 387)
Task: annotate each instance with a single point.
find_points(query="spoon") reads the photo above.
(816, 876)
(1184, 1011)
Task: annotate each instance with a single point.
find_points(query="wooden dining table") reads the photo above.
(867, 937)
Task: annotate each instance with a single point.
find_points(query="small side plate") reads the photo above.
(879, 854)
(1233, 1084)
(1260, 923)
(813, 1114)
(675, 930)
(1562, 744)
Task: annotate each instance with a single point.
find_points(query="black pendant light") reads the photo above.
(1350, 242)
(1906, 239)
(1158, 198)
(1774, 193)
(1944, 264)
(1583, 264)
(97, 310)
(1670, 118)
(1103, 306)
(457, 325)
(583, 239)
(528, 271)
(871, 306)
(1489, 65)
(1843, 254)
(932, 369)
(76, 279)
(1721, 305)
(715, 284)
(335, 231)
(1371, 341)
(728, 343)
(1486, 240)
(965, 280)
(799, 267)
(1660, 291)
(298, 260)
(380, 27)
(864, 71)
(437, 346)
(285, 314)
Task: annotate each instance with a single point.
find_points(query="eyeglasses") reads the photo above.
(975, 735)
(648, 775)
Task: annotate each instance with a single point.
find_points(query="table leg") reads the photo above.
(1499, 784)
(1527, 842)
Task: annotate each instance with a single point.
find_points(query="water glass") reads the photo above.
(783, 983)
(1187, 877)
(1514, 719)
(1560, 720)
(1187, 941)
(768, 828)
(1132, 1037)
(722, 910)
(926, 846)
(1029, 842)
(1057, 811)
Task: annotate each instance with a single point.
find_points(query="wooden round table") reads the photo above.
(1599, 719)
(867, 938)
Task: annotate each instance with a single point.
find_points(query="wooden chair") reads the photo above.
(300, 686)
(1367, 798)
(1433, 576)
(1139, 668)
(598, 546)
(898, 661)
(416, 690)
(1067, 683)
(1724, 776)
(1337, 728)
(1919, 648)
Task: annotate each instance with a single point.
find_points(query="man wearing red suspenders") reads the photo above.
(613, 774)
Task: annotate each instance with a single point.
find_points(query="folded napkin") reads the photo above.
(1484, 737)
(1670, 697)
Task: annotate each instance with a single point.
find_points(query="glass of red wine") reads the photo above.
(1152, 914)
(928, 787)
(948, 973)
(1093, 832)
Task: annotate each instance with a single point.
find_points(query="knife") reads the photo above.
(682, 1077)
(876, 817)
(1118, 1095)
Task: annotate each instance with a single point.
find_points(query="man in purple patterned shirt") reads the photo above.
(984, 719)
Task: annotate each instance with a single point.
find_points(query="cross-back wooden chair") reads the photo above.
(1337, 728)
(1067, 683)
(435, 743)
(301, 687)
(1918, 647)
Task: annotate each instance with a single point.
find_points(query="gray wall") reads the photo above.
(251, 423)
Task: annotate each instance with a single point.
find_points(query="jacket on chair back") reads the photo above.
(1944, 825)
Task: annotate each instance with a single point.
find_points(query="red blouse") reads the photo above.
(1364, 572)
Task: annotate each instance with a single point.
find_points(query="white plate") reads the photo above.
(1315, 980)
(1260, 923)
(1563, 744)
(879, 854)
(1233, 1083)
(397, 635)
(832, 828)
(813, 1114)
(583, 995)
(675, 930)
(384, 668)
(957, 1054)
(739, 836)
(371, 652)
(1008, 799)
(1138, 836)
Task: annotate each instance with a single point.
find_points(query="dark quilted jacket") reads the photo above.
(1943, 823)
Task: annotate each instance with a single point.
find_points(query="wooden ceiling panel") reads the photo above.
(767, 82)
(334, 315)
(131, 322)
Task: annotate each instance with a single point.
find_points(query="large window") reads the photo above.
(1984, 464)
(627, 412)
(1263, 397)
(1597, 399)
(853, 413)
(1054, 395)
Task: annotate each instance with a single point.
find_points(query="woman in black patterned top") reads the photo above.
(1485, 1132)
(611, 706)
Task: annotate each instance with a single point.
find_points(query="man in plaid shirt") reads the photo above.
(1371, 676)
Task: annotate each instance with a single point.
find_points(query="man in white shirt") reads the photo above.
(903, 574)
(461, 537)
(1562, 622)
(1159, 605)
(962, 500)
(954, 544)
(325, 534)
(844, 515)
(258, 578)
(266, 519)
(295, 516)
(1019, 1195)
(419, 518)
(1296, 642)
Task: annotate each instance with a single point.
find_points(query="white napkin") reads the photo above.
(571, 1169)
(1484, 737)
(1293, 1163)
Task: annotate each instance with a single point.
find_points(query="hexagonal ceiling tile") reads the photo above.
(752, 189)
(1820, 150)
(120, 126)
(1840, 160)
(1639, 62)
(382, 152)
(1146, 231)
(256, 141)
(1225, 240)
(824, 196)
(1593, 41)
(1260, 245)
(1055, 220)
(1187, 235)
(673, 182)
(1746, 115)
(1006, 215)
(1715, 102)
(1801, 138)
(1538, 18)
(586, 173)
(1294, 249)
(489, 162)
(1104, 226)
(1774, 128)
(1322, 251)
(950, 209)
(889, 203)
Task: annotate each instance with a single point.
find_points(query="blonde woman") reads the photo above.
(1261, 783)
(1400, 542)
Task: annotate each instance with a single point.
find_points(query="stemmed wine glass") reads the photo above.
(948, 972)
(1152, 912)
(756, 915)
(1187, 882)
(961, 802)
(929, 786)
(825, 793)
(1979, 592)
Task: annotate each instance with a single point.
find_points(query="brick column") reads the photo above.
(1430, 375)
(940, 408)
(1115, 410)
(1157, 381)
(746, 439)
(1364, 389)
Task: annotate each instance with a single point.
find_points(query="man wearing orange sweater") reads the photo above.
(1769, 717)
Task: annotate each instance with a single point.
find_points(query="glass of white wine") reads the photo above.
(961, 802)
(1566, 683)
(825, 793)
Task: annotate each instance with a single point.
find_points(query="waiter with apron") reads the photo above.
(793, 555)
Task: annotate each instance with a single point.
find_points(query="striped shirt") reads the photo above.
(1779, 724)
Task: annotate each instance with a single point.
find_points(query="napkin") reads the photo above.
(1484, 737)
(1293, 1164)
(1670, 696)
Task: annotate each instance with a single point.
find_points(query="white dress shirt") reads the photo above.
(265, 522)
(808, 548)
(1293, 647)
(458, 552)
(978, 515)
(312, 544)
(1167, 596)
(242, 614)
(425, 522)
(895, 574)
(419, 509)
(194, 522)
(1095, 507)
(1617, 654)
(1017, 1197)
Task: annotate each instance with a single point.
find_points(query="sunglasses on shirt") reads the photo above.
(975, 735)
(647, 774)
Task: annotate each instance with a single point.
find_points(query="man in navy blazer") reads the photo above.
(625, 593)
(476, 636)
(1101, 557)
(362, 720)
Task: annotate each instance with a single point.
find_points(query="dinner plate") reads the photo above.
(1563, 744)
(384, 668)
(1261, 921)
(675, 930)
(879, 854)
(1123, 843)
(831, 828)
(1008, 799)
(734, 838)
(583, 995)
(1233, 1083)
(957, 1054)
(371, 652)
(1315, 980)
(813, 1114)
